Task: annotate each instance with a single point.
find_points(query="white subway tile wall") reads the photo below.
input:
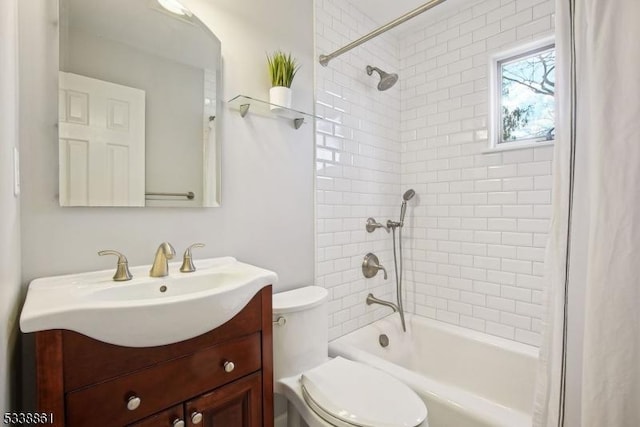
(477, 232)
(357, 164)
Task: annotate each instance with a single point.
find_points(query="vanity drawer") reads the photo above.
(163, 385)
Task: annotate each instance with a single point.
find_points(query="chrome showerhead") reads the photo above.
(408, 195)
(386, 80)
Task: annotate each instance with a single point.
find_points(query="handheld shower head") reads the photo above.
(408, 195)
(386, 80)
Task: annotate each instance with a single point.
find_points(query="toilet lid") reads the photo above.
(359, 395)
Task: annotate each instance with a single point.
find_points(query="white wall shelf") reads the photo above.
(243, 103)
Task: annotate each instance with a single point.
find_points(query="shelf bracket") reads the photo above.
(243, 103)
(244, 108)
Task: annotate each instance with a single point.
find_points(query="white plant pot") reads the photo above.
(281, 96)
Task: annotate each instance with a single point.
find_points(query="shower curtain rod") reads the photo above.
(324, 59)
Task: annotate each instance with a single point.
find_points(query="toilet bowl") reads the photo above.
(336, 392)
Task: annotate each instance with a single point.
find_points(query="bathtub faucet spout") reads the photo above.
(373, 300)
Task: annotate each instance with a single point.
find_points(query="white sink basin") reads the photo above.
(144, 311)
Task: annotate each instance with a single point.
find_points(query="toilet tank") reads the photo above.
(301, 341)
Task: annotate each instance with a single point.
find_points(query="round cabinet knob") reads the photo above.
(196, 418)
(229, 366)
(133, 403)
(177, 423)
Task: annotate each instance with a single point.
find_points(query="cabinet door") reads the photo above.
(172, 417)
(238, 404)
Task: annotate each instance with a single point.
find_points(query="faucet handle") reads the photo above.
(372, 224)
(371, 265)
(187, 261)
(122, 269)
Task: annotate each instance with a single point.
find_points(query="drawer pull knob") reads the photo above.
(133, 403)
(229, 366)
(177, 423)
(196, 418)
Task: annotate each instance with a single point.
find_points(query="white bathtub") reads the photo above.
(466, 379)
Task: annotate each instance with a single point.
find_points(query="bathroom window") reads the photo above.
(523, 89)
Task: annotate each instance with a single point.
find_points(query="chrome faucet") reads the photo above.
(373, 300)
(122, 270)
(370, 267)
(372, 224)
(160, 267)
(187, 259)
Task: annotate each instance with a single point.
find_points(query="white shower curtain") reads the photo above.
(598, 83)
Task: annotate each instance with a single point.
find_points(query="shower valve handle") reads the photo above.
(372, 224)
(371, 265)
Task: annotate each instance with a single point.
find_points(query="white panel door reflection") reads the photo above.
(102, 143)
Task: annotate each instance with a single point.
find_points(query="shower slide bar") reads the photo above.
(324, 59)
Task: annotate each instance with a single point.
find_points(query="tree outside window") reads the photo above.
(526, 96)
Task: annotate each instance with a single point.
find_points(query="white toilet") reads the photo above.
(325, 392)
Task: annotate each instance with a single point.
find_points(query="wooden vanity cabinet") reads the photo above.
(167, 418)
(236, 404)
(223, 378)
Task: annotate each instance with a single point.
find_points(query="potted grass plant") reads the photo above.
(282, 69)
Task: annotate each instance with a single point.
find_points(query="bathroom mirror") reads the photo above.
(138, 105)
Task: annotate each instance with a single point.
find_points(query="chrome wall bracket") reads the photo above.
(298, 122)
(244, 109)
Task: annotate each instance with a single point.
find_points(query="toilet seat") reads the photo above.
(349, 394)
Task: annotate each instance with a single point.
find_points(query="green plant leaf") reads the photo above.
(282, 68)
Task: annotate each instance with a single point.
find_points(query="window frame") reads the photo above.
(495, 93)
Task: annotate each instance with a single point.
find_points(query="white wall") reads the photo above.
(358, 164)
(267, 213)
(266, 216)
(10, 212)
(480, 227)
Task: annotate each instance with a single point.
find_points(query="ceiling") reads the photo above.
(384, 11)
